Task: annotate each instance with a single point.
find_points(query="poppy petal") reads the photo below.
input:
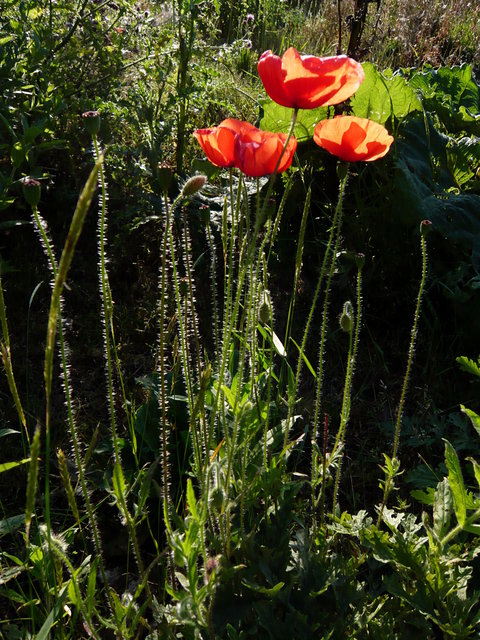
(271, 72)
(307, 82)
(353, 139)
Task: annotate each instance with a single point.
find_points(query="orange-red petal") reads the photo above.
(217, 144)
(307, 82)
(258, 152)
(353, 139)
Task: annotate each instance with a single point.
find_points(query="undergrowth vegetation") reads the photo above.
(240, 319)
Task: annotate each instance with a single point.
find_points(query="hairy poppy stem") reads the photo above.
(389, 483)
(271, 182)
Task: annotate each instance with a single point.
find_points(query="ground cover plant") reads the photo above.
(240, 347)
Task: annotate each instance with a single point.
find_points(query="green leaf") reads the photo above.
(92, 586)
(7, 432)
(266, 591)
(9, 573)
(452, 94)
(380, 96)
(11, 524)
(463, 159)
(228, 395)
(473, 528)
(118, 479)
(442, 508)
(457, 485)
(44, 633)
(6, 466)
(276, 118)
(305, 359)
(277, 343)
(476, 470)
(191, 500)
(423, 183)
(426, 496)
(468, 365)
(474, 418)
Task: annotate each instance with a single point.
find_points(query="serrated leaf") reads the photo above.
(463, 160)
(455, 479)
(452, 93)
(425, 497)
(468, 365)
(474, 418)
(476, 470)
(442, 508)
(118, 481)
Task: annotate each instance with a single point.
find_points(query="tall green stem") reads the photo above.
(424, 229)
(107, 303)
(328, 259)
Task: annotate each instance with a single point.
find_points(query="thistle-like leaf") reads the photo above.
(442, 508)
(455, 479)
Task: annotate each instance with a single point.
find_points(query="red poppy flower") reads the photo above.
(307, 82)
(258, 152)
(234, 143)
(218, 142)
(353, 139)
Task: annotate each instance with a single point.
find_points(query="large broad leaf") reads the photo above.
(463, 160)
(424, 187)
(452, 94)
(455, 480)
(381, 96)
(278, 119)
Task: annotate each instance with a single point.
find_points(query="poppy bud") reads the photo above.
(346, 317)
(17, 154)
(183, 288)
(31, 191)
(211, 566)
(164, 176)
(360, 261)
(264, 309)
(205, 214)
(217, 497)
(92, 121)
(425, 227)
(342, 170)
(193, 185)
